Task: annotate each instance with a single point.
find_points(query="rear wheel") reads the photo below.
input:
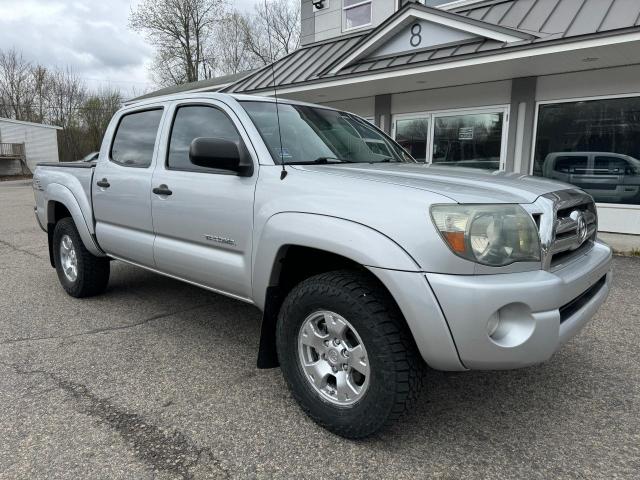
(346, 353)
(81, 273)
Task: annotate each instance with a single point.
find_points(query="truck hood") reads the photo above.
(463, 185)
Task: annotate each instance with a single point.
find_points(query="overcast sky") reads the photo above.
(90, 36)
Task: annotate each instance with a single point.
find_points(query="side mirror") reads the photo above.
(221, 154)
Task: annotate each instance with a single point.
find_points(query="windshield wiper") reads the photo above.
(321, 161)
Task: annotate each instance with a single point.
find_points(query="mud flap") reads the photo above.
(267, 353)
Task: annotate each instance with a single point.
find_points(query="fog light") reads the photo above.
(511, 325)
(493, 324)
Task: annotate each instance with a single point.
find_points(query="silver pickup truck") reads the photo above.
(367, 266)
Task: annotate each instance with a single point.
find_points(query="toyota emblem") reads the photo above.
(581, 226)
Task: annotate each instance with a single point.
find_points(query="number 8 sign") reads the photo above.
(416, 35)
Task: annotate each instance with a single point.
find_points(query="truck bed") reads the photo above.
(50, 180)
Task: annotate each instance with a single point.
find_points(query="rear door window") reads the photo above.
(571, 164)
(135, 138)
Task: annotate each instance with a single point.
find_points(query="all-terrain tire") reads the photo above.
(92, 273)
(396, 368)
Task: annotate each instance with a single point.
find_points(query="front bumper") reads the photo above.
(527, 309)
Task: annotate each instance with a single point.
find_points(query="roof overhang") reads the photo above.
(415, 12)
(537, 59)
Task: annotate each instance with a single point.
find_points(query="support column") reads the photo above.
(382, 112)
(521, 124)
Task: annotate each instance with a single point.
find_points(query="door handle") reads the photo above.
(103, 183)
(162, 190)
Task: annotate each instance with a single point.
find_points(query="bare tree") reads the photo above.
(67, 94)
(179, 29)
(59, 97)
(41, 82)
(96, 113)
(16, 86)
(230, 46)
(273, 30)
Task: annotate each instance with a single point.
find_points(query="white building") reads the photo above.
(24, 144)
(541, 87)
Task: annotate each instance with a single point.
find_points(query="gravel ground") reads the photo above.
(156, 379)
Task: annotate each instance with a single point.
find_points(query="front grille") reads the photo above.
(568, 224)
(566, 311)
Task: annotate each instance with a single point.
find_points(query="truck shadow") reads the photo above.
(465, 407)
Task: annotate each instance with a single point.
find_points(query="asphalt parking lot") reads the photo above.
(157, 379)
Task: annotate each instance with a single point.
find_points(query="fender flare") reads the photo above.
(59, 193)
(352, 240)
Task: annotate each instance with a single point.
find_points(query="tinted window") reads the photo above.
(135, 138)
(571, 164)
(610, 165)
(194, 122)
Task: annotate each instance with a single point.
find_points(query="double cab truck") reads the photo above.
(368, 266)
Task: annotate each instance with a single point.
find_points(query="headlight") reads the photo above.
(494, 235)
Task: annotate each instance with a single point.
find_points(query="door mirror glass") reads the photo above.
(220, 154)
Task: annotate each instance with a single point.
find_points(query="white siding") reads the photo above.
(360, 106)
(328, 22)
(41, 144)
(609, 81)
(465, 96)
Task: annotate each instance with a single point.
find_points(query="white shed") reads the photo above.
(26, 144)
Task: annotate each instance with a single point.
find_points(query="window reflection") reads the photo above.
(194, 122)
(413, 135)
(473, 140)
(594, 145)
(135, 138)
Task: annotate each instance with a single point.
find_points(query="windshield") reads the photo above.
(321, 135)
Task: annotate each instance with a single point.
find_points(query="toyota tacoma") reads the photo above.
(367, 265)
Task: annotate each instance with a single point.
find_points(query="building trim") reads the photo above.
(454, 4)
(413, 12)
(514, 53)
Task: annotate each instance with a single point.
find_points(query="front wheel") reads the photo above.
(347, 354)
(81, 273)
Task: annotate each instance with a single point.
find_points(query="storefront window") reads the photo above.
(413, 135)
(594, 144)
(471, 140)
(357, 13)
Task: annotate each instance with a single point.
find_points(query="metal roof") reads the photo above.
(563, 18)
(545, 20)
(210, 84)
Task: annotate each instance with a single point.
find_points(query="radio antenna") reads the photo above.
(283, 173)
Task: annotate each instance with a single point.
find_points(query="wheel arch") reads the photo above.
(296, 246)
(61, 203)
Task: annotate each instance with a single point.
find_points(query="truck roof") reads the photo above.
(215, 96)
